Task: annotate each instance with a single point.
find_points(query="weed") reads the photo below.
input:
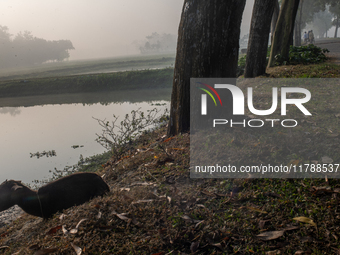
(309, 54)
(118, 137)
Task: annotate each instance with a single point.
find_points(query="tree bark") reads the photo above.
(274, 19)
(284, 31)
(208, 45)
(298, 25)
(258, 38)
(336, 27)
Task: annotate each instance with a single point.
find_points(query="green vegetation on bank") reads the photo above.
(309, 54)
(158, 78)
(306, 55)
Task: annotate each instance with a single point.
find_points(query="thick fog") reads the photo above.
(101, 28)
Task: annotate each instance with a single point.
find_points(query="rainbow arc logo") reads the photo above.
(204, 97)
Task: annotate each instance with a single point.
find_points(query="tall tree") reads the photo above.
(322, 23)
(208, 44)
(284, 30)
(274, 19)
(298, 26)
(336, 23)
(335, 10)
(258, 38)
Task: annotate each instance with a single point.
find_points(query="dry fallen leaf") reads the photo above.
(336, 190)
(326, 160)
(76, 249)
(255, 209)
(199, 223)
(99, 215)
(208, 193)
(290, 228)
(65, 231)
(323, 189)
(186, 217)
(218, 245)
(273, 252)
(122, 216)
(75, 230)
(17, 253)
(305, 220)
(167, 140)
(194, 246)
(61, 217)
(200, 205)
(53, 230)
(143, 201)
(270, 235)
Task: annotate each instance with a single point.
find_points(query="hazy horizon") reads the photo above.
(97, 29)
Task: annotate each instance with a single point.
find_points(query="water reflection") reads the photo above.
(10, 110)
(38, 124)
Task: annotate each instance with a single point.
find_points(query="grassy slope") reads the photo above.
(155, 208)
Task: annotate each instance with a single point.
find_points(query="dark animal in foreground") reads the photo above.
(61, 194)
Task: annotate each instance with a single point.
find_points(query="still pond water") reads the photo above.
(46, 123)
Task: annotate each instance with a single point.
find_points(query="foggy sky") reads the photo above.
(97, 28)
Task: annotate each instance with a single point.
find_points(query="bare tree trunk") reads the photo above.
(336, 27)
(208, 45)
(274, 19)
(298, 23)
(284, 30)
(258, 38)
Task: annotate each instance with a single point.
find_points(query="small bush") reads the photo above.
(117, 137)
(309, 54)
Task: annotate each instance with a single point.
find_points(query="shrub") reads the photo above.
(309, 54)
(117, 137)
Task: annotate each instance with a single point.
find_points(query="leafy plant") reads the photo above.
(309, 54)
(117, 137)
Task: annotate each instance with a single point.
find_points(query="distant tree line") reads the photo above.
(157, 43)
(24, 49)
(319, 15)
